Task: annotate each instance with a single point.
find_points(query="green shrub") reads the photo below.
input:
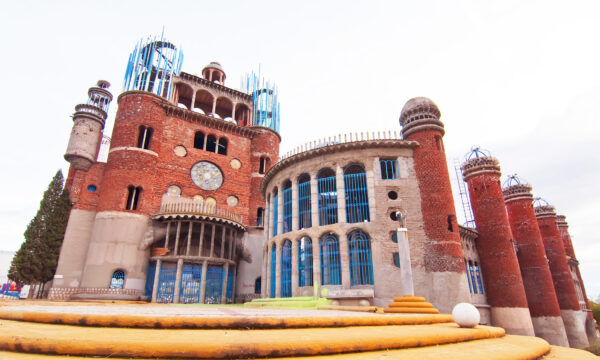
(596, 311)
(594, 349)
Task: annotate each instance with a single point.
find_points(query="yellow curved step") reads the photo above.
(411, 304)
(411, 310)
(409, 298)
(226, 343)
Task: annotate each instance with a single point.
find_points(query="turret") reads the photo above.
(561, 274)
(537, 279)
(445, 261)
(505, 290)
(88, 123)
(214, 72)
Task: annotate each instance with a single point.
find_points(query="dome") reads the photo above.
(214, 65)
(419, 106)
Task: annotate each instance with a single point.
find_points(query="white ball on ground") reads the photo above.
(465, 315)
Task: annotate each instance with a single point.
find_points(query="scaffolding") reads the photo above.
(152, 65)
(464, 196)
(264, 97)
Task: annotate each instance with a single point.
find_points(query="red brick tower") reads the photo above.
(541, 297)
(444, 261)
(505, 291)
(561, 275)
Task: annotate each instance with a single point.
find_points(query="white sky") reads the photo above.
(519, 78)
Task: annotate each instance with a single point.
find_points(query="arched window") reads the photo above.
(331, 270)
(305, 262)
(286, 268)
(304, 214)
(275, 212)
(468, 276)
(211, 143)
(287, 206)
(145, 134)
(273, 271)
(472, 276)
(222, 146)
(355, 191)
(478, 276)
(199, 140)
(117, 280)
(259, 216)
(327, 190)
(257, 285)
(361, 261)
(133, 195)
(264, 162)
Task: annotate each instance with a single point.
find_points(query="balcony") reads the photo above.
(172, 208)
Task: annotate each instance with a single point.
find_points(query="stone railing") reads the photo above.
(187, 206)
(341, 139)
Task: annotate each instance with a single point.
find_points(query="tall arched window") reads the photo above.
(305, 262)
(472, 276)
(287, 206)
(275, 212)
(478, 276)
(222, 146)
(331, 269)
(304, 214)
(355, 191)
(262, 166)
(286, 269)
(211, 143)
(199, 140)
(144, 137)
(327, 189)
(468, 277)
(259, 216)
(361, 261)
(117, 279)
(273, 271)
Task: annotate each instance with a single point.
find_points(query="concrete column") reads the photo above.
(177, 281)
(407, 287)
(314, 200)
(295, 288)
(345, 260)
(223, 231)
(268, 272)
(214, 108)
(176, 249)
(201, 242)
(167, 234)
(231, 243)
(294, 204)
(203, 281)
(189, 238)
(156, 278)
(341, 198)
(233, 112)
(263, 278)
(316, 262)
(212, 241)
(267, 215)
(279, 211)
(224, 286)
(278, 271)
(370, 175)
(234, 269)
(193, 99)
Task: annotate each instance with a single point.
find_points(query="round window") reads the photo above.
(92, 188)
(174, 190)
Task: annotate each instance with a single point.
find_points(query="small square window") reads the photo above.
(389, 169)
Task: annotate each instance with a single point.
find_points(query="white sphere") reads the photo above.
(465, 315)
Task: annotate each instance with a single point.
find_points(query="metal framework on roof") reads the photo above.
(152, 65)
(477, 152)
(264, 96)
(513, 179)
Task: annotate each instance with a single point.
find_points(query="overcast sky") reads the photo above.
(519, 78)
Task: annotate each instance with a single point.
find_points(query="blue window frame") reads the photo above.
(287, 207)
(275, 208)
(286, 268)
(389, 169)
(478, 276)
(304, 207)
(166, 283)
(191, 280)
(150, 272)
(331, 270)
(214, 285)
(361, 261)
(356, 195)
(468, 277)
(327, 189)
(305, 262)
(472, 276)
(273, 271)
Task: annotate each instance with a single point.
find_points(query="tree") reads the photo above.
(36, 260)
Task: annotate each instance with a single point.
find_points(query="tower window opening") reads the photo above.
(389, 169)
(396, 259)
(211, 143)
(275, 211)
(259, 216)
(117, 280)
(222, 146)
(199, 140)
(133, 195)
(257, 285)
(264, 162)
(451, 223)
(144, 137)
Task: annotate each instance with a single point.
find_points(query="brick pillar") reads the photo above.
(503, 282)
(537, 279)
(444, 264)
(561, 276)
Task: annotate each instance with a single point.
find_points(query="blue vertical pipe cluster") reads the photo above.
(152, 65)
(264, 96)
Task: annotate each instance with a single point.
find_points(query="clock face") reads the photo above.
(207, 176)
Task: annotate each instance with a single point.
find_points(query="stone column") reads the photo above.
(503, 282)
(314, 200)
(316, 263)
(294, 204)
(263, 279)
(344, 259)
(278, 270)
(189, 238)
(156, 279)
(224, 286)
(544, 310)
(295, 287)
(177, 281)
(203, 281)
(279, 210)
(176, 249)
(341, 198)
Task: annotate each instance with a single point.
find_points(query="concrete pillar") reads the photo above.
(212, 241)
(263, 277)
(344, 259)
(278, 270)
(294, 204)
(561, 276)
(341, 198)
(223, 231)
(234, 269)
(224, 286)
(189, 238)
(156, 278)
(177, 281)
(203, 281)
(176, 249)
(295, 287)
(316, 262)
(504, 285)
(539, 289)
(279, 210)
(201, 242)
(314, 200)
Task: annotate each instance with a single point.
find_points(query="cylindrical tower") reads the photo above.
(266, 110)
(541, 297)
(88, 123)
(444, 261)
(505, 291)
(561, 275)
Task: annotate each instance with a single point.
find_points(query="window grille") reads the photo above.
(214, 285)
(191, 281)
(327, 200)
(166, 283)
(117, 279)
(331, 270)
(389, 169)
(287, 208)
(357, 198)
(273, 271)
(275, 212)
(305, 262)
(229, 290)
(361, 261)
(304, 207)
(478, 275)
(286, 269)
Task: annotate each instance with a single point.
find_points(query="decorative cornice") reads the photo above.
(517, 192)
(544, 211)
(212, 218)
(423, 125)
(481, 165)
(202, 81)
(321, 151)
(561, 221)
